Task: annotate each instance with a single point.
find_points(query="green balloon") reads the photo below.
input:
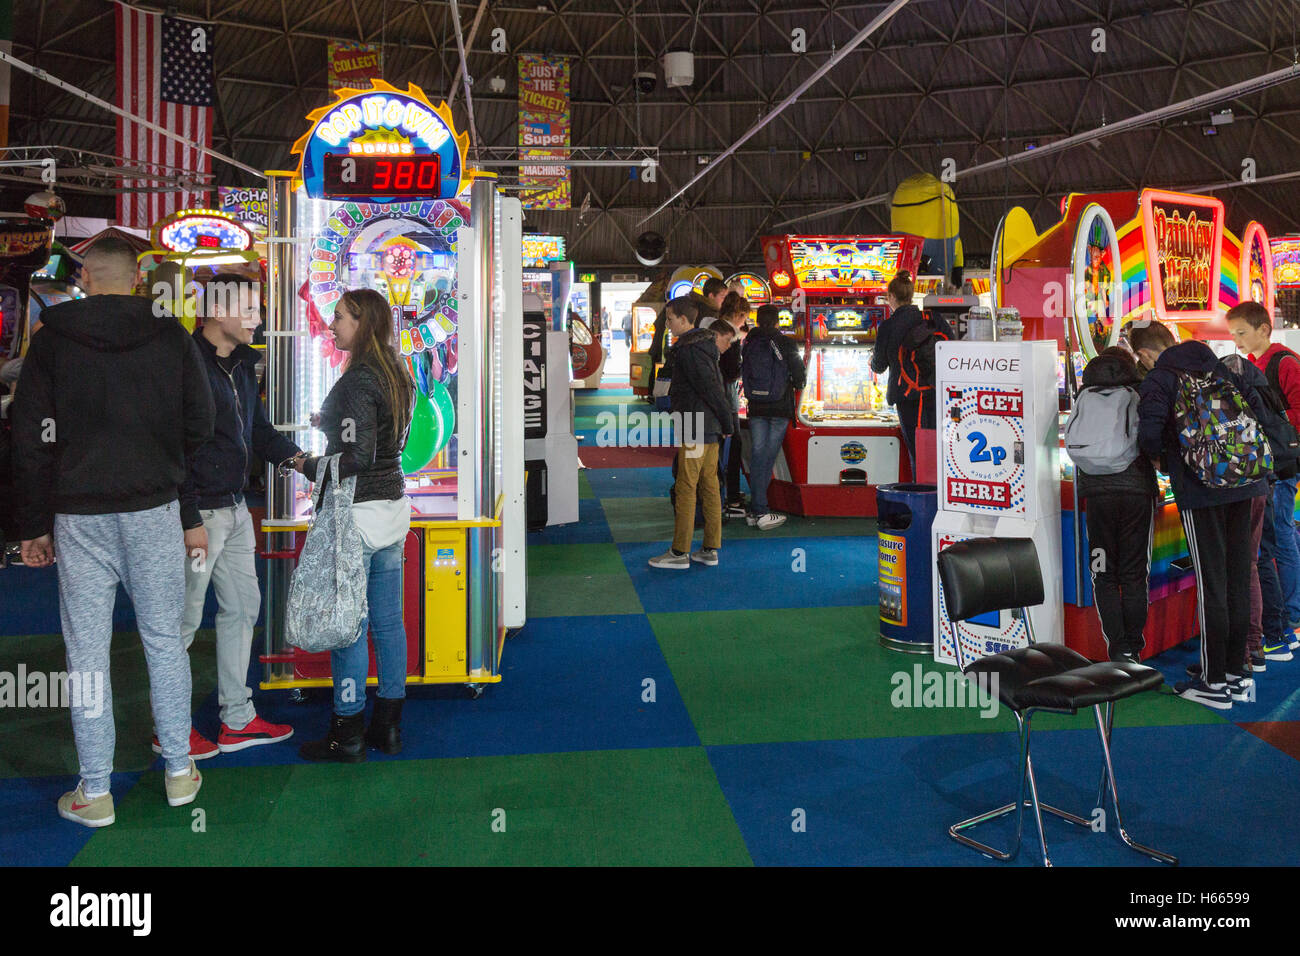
(444, 413)
(420, 440)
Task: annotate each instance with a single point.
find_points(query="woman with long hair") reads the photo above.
(366, 417)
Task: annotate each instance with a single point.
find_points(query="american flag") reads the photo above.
(164, 75)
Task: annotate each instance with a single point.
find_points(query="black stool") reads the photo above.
(981, 575)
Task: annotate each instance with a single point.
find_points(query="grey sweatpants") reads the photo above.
(145, 551)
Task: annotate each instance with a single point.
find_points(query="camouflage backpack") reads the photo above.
(1222, 443)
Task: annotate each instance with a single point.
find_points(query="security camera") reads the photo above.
(646, 81)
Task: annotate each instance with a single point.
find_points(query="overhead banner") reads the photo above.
(354, 64)
(247, 205)
(543, 131)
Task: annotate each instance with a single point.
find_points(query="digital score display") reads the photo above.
(353, 176)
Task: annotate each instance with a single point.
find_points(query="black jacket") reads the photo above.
(697, 385)
(1158, 437)
(128, 400)
(219, 469)
(793, 361)
(375, 454)
(889, 337)
(1139, 478)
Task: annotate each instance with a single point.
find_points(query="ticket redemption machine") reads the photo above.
(998, 477)
(1114, 258)
(844, 440)
(373, 205)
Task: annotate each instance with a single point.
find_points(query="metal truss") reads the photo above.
(937, 83)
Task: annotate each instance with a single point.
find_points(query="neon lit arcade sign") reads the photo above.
(358, 144)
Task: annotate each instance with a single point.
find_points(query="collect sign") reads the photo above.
(362, 130)
(353, 64)
(1184, 237)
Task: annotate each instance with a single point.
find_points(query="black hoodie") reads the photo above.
(112, 400)
(1158, 436)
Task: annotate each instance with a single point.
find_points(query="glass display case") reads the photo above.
(842, 389)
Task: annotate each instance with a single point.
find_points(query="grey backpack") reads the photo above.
(1101, 432)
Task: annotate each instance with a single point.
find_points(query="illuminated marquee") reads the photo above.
(839, 265)
(200, 229)
(1286, 261)
(1184, 238)
(382, 121)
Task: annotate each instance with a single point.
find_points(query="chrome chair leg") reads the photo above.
(956, 831)
(1109, 774)
(1105, 775)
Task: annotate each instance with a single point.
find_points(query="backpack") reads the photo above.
(1101, 432)
(916, 357)
(1221, 442)
(1282, 436)
(764, 373)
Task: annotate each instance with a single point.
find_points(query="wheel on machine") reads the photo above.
(475, 691)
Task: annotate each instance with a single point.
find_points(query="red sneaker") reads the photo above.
(200, 747)
(257, 732)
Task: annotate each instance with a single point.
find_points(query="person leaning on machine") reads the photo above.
(366, 417)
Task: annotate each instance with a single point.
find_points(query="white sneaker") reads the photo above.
(183, 789)
(673, 562)
(707, 556)
(769, 521)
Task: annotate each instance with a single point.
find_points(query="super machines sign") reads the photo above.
(1184, 238)
(543, 131)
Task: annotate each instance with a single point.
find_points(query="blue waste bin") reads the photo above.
(905, 514)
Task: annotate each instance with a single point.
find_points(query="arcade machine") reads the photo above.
(1078, 285)
(374, 203)
(25, 245)
(1285, 252)
(844, 441)
(54, 282)
(550, 447)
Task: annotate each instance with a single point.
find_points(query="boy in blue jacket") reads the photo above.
(1217, 521)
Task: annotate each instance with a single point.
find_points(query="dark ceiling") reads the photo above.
(942, 80)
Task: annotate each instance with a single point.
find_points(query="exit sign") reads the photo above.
(587, 277)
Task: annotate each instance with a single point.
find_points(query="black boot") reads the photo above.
(343, 744)
(385, 730)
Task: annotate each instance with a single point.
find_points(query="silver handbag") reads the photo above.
(327, 607)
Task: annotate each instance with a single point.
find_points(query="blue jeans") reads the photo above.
(350, 666)
(1286, 553)
(766, 435)
(1273, 619)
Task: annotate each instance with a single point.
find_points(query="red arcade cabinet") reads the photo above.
(844, 440)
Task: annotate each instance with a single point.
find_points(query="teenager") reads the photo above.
(699, 403)
(220, 543)
(366, 416)
(772, 356)
(1252, 330)
(1216, 520)
(111, 403)
(913, 410)
(735, 312)
(1120, 508)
